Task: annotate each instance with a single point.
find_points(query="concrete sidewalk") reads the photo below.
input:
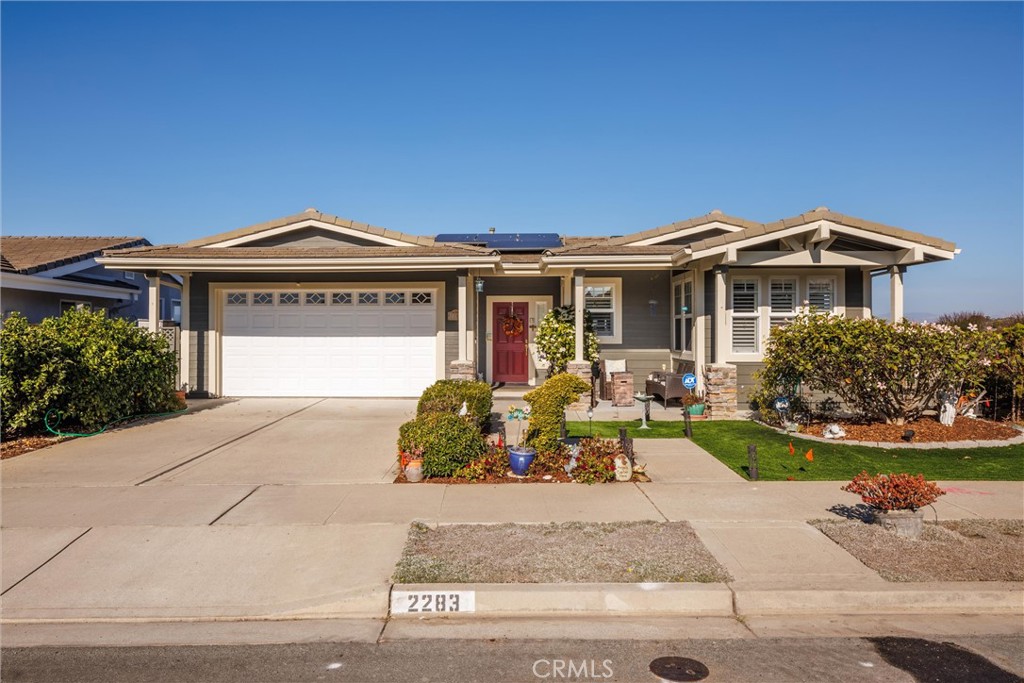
(278, 510)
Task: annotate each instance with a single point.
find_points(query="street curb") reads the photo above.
(719, 599)
(694, 599)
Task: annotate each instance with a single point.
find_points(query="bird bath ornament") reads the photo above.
(645, 399)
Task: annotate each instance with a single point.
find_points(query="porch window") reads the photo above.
(682, 316)
(821, 295)
(603, 300)
(744, 316)
(783, 302)
(176, 310)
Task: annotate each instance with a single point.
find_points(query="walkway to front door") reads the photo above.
(509, 334)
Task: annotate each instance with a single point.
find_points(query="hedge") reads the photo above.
(447, 396)
(445, 441)
(92, 368)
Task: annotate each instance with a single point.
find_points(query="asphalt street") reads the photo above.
(988, 659)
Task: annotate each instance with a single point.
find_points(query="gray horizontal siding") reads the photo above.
(643, 326)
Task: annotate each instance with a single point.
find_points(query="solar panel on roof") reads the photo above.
(530, 241)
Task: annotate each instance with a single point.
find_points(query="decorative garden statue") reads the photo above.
(947, 413)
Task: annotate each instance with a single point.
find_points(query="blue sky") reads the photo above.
(178, 120)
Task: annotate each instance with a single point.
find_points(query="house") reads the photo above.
(41, 277)
(316, 305)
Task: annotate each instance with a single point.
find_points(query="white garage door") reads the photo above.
(330, 342)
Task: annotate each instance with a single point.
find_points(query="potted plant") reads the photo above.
(896, 500)
(694, 403)
(520, 457)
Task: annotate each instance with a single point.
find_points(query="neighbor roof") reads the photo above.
(28, 255)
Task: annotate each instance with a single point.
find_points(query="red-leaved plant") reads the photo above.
(900, 491)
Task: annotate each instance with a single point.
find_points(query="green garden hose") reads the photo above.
(60, 416)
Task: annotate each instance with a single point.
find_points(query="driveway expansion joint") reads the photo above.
(48, 560)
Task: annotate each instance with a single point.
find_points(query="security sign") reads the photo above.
(690, 380)
(781, 404)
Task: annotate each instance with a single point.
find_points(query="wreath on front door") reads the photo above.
(512, 326)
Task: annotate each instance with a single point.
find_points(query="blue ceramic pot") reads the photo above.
(520, 458)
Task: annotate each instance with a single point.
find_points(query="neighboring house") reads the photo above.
(40, 277)
(315, 305)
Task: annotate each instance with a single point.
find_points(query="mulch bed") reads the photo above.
(554, 478)
(573, 552)
(926, 430)
(25, 444)
(960, 550)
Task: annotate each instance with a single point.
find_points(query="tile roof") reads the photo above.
(818, 215)
(191, 252)
(714, 216)
(28, 255)
(313, 214)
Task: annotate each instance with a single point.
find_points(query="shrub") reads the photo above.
(884, 371)
(92, 368)
(547, 409)
(447, 395)
(894, 491)
(556, 338)
(1009, 366)
(445, 441)
(493, 464)
(595, 462)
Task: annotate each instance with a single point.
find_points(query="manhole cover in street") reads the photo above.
(679, 669)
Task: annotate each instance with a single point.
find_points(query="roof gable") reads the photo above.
(311, 218)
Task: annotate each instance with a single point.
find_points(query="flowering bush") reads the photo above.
(894, 491)
(493, 464)
(886, 372)
(556, 338)
(595, 462)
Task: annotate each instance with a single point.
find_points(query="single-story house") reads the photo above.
(316, 305)
(41, 277)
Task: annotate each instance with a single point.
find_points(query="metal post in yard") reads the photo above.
(689, 424)
(752, 461)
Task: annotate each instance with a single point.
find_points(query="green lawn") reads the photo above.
(727, 440)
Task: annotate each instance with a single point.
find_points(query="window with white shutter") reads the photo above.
(603, 300)
(744, 316)
(682, 315)
(783, 302)
(821, 295)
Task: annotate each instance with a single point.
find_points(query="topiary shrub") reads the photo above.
(556, 338)
(447, 395)
(445, 441)
(547, 409)
(92, 368)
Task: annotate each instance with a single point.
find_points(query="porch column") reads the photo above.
(471, 320)
(721, 326)
(154, 301)
(699, 350)
(866, 277)
(185, 343)
(896, 293)
(463, 315)
(579, 302)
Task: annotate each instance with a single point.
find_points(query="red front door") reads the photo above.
(510, 342)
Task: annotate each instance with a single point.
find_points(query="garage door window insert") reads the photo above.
(238, 299)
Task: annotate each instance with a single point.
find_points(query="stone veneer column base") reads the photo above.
(462, 369)
(581, 370)
(720, 391)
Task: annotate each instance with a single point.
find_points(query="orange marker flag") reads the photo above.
(810, 455)
(792, 451)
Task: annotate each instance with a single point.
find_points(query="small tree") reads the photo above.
(1009, 365)
(556, 338)
(884, 371)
